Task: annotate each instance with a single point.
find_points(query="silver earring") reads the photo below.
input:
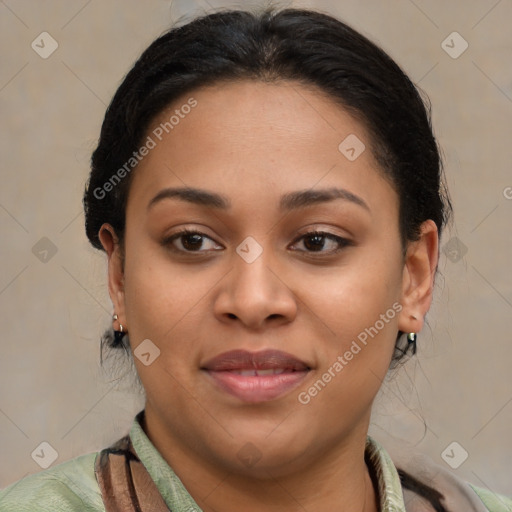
(411, 340)
(115, 317)
(118, 335)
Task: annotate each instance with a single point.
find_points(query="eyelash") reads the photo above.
(342, 242)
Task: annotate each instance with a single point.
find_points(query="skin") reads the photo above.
(252, 142)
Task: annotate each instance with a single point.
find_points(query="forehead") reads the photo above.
(250, 111)
(258, 136)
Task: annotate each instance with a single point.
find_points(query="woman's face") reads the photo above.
(267, 342)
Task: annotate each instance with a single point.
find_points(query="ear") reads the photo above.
(418, 278)
(110, 243)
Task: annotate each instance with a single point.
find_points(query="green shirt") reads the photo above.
(72, 486)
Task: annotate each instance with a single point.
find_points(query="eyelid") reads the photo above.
(323, 229)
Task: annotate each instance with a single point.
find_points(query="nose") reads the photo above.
(255, 295)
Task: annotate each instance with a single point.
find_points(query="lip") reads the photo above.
(256, 376)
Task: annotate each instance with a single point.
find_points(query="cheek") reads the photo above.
(164, 304)
(358, 308)
(159, 306)
(354, 297)
(155, 297)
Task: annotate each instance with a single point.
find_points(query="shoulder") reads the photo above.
(492, 501)
(420, 475)
(68, 487)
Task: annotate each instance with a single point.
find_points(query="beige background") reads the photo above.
(459, 388)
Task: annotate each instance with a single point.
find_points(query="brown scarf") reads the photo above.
(124, 482)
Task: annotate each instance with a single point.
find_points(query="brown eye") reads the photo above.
(322, 242)
(314, 242)
(190, 241)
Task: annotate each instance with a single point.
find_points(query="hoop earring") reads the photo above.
(118, 335)
(411, 341)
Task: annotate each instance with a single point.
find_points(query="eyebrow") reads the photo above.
(192, 195)
(288, 202)
(303, 198)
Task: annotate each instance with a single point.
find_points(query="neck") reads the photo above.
(354, 493)
(338, 480)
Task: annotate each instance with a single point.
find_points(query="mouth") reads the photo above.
(256, 376)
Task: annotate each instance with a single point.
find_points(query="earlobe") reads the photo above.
(418, 278)
(110, 242)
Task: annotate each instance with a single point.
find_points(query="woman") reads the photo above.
(269, 194)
